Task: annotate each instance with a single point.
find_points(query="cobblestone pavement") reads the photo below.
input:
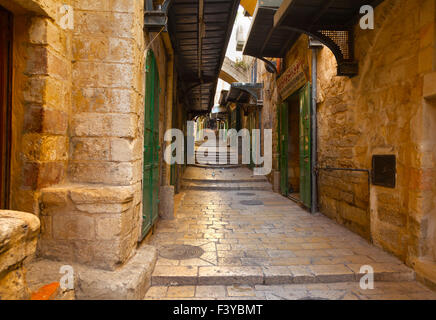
(274, 250)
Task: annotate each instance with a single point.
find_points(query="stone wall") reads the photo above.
(93, 217)
(269, 113)
(41, 100)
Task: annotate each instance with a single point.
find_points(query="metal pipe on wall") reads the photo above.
(314, 133)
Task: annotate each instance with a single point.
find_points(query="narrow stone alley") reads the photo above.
(217, 149)
(233, 238)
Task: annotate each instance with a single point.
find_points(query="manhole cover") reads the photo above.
(246, 194)
(251, 202)
(181, 252)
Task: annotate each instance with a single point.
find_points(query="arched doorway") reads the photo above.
(150, 182)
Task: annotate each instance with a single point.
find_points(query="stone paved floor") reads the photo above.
(277, 250)
(213, 175)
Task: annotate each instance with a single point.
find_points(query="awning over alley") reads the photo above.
(245, 93)
(276, 28)
(200, 32)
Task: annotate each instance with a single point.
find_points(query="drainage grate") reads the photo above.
(181, 252)
(251, 202)
(245, 194)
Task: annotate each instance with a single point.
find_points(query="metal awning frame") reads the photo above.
(338, 35)
(254, 90)
(346, 66)
(156, 20)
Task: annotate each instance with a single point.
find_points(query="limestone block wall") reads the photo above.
(78, 114)
(379, 112)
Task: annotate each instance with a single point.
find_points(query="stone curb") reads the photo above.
(271, 276)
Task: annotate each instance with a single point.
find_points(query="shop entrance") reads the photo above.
(295, 170)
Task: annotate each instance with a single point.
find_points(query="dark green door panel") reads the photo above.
(150, 182)
(283, 145)
(305, 146)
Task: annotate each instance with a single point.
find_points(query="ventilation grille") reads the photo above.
(341, 39)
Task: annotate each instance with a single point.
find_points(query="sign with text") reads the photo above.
(291, 80)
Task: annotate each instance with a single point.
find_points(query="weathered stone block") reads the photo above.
(106, 194)
(430, 86)
(130, 282)
(125, 150)
(42, 120)
(104, 100)
(73, 227)
(13, 285)
(18, 235)
(44, 148)
(90, 148)
(108, 227)
(102, 172)
(96, 124)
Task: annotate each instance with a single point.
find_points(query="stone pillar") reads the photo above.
(18, 237)
(94, 217)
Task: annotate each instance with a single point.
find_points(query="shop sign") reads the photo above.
(291, 80)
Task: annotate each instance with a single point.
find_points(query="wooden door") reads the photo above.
(305, 146)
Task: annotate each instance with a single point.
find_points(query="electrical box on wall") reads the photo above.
(384, 170)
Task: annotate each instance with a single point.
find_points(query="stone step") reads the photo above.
(216, 166)
(228, 186)
(253, 275)
(212, 181)
(217, 158)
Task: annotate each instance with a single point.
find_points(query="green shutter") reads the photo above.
(150, 182)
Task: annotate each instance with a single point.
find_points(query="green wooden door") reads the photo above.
(283, 145)
(305, 145)
(150, 182)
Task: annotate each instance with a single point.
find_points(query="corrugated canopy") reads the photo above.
(200, 32)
